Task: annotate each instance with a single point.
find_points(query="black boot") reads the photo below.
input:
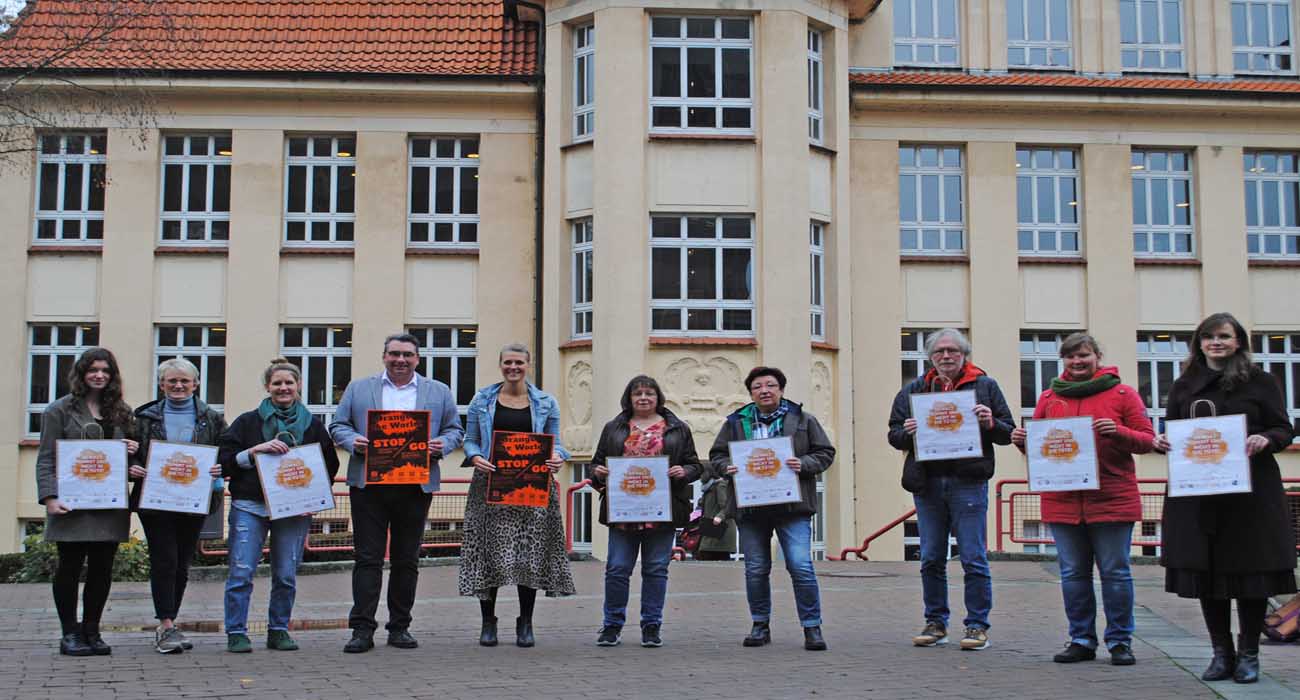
(524, 632)
(73, 645)
(488, 636)
(97, 645)
(812, 639)
(758, 636)
(1224, 661)
(1247, 670)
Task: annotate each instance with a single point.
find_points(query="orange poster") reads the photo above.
(522, 477)
(398, 452)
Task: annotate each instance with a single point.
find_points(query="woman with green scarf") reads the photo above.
(280, 422)
(1096, 526)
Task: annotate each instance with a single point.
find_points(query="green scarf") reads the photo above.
(749, 415)
(1088, 387)
(294, 419)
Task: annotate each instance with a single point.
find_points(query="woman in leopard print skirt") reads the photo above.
(511, 545)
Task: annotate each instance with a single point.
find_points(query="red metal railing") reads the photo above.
(861, 552)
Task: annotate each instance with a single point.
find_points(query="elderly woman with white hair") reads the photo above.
(952, 495)
(179, 416)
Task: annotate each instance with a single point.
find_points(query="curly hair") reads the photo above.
(111, 405)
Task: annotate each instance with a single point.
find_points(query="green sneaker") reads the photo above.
(280, 640)
(238, 643)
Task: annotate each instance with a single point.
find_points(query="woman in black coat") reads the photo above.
(644, 428)
(1217, 548)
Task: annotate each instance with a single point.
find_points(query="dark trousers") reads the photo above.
(172, 538)
(97, 558)
(378, 514)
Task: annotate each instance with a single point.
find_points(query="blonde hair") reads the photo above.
(280, 364)
(179, 364)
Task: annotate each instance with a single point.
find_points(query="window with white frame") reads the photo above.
(1040, 363)
(320, 190)
(205, 347)
(817, 277)
(1278, 353)
(1038, 34)
(1162, 203)
(930, 200)
(324, 355)
(1160, 355)
(70, 183)
(449, 355)
(52, 350)
(701, 275)
(816, 86)
(925, 33)
(912, 358)
(584, 513)
(584, 82)
(1047, 201)
(701, 74)
(1261, 37)
(196, 189)
(1272, 202)
(443, 192)
(582, 277)
(1151, 35)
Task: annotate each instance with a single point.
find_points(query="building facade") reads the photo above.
(684, 189)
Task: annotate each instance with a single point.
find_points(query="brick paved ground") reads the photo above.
(871, 610)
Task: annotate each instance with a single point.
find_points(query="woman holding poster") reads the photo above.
(86, 539)
(512, 545)
(1096, 525)
(279, 423)
(178, 417)
(1221, 547)
(645, 428)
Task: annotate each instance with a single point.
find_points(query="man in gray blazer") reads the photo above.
(399, 512)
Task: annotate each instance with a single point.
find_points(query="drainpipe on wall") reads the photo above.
(521, 11)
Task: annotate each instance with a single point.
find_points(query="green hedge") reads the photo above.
(36, 565)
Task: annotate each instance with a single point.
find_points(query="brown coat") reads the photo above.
(64, 419)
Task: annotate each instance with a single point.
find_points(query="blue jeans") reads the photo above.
(795, 536)
(1077, 547)
(960, 506)
(247, 532)
(656, 548)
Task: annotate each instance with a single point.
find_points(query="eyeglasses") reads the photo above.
(400, 353)
(947, 351)
(178, 382)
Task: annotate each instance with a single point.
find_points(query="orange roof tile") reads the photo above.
(1072, 81)
(393, 37)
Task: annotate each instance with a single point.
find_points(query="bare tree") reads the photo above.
(46, 81)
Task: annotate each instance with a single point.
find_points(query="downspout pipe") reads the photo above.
(513, 8)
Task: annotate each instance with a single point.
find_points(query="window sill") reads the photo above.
(1293, 447)
(824, 150)
(715, 341)
(1046, 260)
(462, 252)
(732, 138)
(315, 250)
(935, 259)
(823, 345)
(581, 343)
(572, 145)
(173, 249)
(29, 442)
(1167, 262)
(1272, 262)
(42, 248)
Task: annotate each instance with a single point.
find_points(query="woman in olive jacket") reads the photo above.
(1240, 546)
(644, 428)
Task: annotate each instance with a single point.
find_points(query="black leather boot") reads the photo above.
(1224, 661)
(73, 645)
(524, 632)
(488, 636)
(758, 636)
(1247, 670)
(812, 639)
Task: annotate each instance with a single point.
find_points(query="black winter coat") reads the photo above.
(987, 393)
(679, 448)
(811, 446)
(246, 432)
(1233, 533)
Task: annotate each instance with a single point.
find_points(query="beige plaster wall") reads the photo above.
(16, 179)
(189, 289)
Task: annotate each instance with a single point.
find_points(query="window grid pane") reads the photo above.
(584, 82)
(320, 186)
(442, 193)
(1151, 35)
(931, 200)
(1162, 204)
(449, 356)
(1261, 37)
(1047, 202)
(1278, 353)
(324, 355)
(1039, 34)
(582, 275)
(1040, 362)
(1272, 201)
(926, 33)
(1160, 355)
(70, 189)
(817, 279)
(195, 206)
(816, 87)
(687, 251)
(52, 350)
(701, 75)
(205, 347)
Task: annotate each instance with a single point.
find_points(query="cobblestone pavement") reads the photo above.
(871, 611)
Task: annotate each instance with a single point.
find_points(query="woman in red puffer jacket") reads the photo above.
(1096, 526)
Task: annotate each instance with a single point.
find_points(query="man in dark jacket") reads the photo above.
(771, 415)
(952, 495)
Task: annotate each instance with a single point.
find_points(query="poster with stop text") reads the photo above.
(521, 477)
(762, 477)
(1062, 454)
(296, 482)
(1208, 456)
(91, 473)
(398, 452)
(946, 426)
(638, 490)
(178, 478)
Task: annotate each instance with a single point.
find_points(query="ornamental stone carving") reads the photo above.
(702, 393)
(577, 437)
(822, 400)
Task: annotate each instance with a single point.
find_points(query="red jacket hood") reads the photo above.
(969, 373)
